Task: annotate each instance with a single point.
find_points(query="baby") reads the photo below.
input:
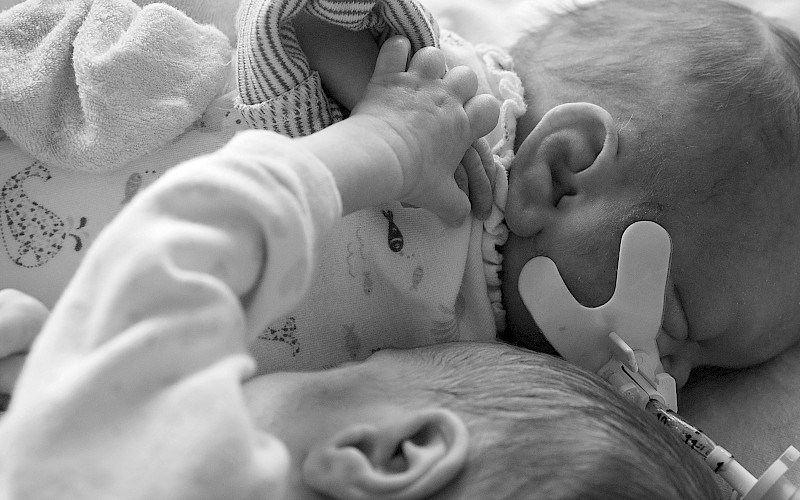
(698, 131)
(684, 113)
(138, 384)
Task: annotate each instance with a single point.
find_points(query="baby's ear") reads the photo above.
(569, 139)
(411, 456)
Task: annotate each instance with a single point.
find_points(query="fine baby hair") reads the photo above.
(740, 63)
(544, 428)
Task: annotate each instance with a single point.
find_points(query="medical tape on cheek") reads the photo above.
(617, 340)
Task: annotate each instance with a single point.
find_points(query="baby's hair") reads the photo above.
(720, 58)
(542, 428)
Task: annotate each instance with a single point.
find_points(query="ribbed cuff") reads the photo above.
(301, 111)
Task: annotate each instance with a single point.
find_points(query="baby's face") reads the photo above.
(733, 294)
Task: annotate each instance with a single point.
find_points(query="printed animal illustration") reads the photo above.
(33, 234)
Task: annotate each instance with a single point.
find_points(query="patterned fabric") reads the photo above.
(91, 118)
(49, 216)
(277, 89)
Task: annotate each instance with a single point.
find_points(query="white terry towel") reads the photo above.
(219, 13)
(92, 84)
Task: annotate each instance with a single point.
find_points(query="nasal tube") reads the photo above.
(772, 485)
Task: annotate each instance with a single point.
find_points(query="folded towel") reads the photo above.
(219, 13)
(92, 84)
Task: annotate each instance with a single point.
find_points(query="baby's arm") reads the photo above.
(133, 388)
(345, 60)
(417, 146)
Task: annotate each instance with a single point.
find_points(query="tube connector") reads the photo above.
(773, 485)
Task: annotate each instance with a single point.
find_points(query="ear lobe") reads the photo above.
(409, 457)
(681, 360)
(679, 368)
(568, 139)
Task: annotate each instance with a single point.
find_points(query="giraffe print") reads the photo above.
(32, 234)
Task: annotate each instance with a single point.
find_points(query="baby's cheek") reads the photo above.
(588, 271)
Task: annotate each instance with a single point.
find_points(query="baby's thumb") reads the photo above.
(452, 205)
(393, 56)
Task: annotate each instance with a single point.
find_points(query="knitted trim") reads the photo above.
(495, 232)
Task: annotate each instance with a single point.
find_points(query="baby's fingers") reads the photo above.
(463, 82)
(484, 151)
(483, 111)
(479, 166)
(393, 56)
(451, 204)
(428, 62)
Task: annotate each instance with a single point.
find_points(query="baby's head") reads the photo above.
(469, 420)
(694, 123)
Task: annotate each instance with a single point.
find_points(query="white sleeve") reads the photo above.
(133, 389)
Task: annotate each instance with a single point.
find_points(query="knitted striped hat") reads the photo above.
(277, 89)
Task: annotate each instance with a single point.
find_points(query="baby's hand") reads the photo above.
(431, 119)
(21, 319)
(476, 176)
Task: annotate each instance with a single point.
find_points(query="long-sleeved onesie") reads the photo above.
(133, 389)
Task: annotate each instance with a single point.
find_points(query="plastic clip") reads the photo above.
(617, 338)
(772, 485)
(634, 375)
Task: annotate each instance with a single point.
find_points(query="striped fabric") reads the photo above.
(277, 89)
